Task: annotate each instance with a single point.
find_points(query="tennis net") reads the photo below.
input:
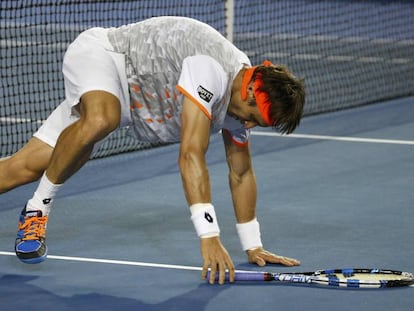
(350, 53)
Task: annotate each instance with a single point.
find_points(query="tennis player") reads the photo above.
(169, 79)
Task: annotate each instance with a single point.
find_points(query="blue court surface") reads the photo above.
(337, 194)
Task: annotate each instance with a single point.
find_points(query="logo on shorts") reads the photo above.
(204, 94)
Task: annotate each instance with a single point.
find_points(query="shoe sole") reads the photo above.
(34, 260)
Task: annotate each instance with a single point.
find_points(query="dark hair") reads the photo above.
(286, 94)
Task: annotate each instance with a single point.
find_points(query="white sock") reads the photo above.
(43, 197)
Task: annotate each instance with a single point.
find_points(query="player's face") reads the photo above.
(249, 116)
(246, 112)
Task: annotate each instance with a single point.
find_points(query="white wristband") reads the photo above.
(204, 219)
(249, 234)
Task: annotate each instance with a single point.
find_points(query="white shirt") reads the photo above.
(167, 57)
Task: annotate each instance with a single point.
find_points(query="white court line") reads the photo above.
(124, 263)
(115, 262)
(338, 138)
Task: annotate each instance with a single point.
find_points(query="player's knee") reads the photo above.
(100, 114)
(101, 125)
(93, 129)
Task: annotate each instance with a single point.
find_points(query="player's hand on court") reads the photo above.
(216, 257)
(261, 257)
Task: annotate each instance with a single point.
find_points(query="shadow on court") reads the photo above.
(41, 299)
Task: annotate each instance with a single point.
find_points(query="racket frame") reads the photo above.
(329, 278)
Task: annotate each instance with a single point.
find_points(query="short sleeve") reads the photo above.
(202, 80)
(238, 133)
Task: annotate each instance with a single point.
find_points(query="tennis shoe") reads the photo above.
(30, 244)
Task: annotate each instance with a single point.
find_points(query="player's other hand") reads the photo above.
(261, 257)
(216, 257)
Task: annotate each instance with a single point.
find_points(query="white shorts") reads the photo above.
(90, 64)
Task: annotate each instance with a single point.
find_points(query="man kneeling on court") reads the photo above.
(169, 79)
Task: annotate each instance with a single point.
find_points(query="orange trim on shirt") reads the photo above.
(237, 143)
(195, 101)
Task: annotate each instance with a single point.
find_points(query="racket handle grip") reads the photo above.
(253, 276)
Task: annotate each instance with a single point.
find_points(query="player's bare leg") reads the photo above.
(99, 116)
(25, 166)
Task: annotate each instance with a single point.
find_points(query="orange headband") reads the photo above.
(262, 99)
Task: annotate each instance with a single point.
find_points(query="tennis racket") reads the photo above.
(344, 278)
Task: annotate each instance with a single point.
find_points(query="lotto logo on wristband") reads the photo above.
(204, 220)
(208, 217)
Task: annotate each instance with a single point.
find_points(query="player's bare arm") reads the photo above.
(195, 178)
(195, 135)
(241, 179)
(243, 187)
